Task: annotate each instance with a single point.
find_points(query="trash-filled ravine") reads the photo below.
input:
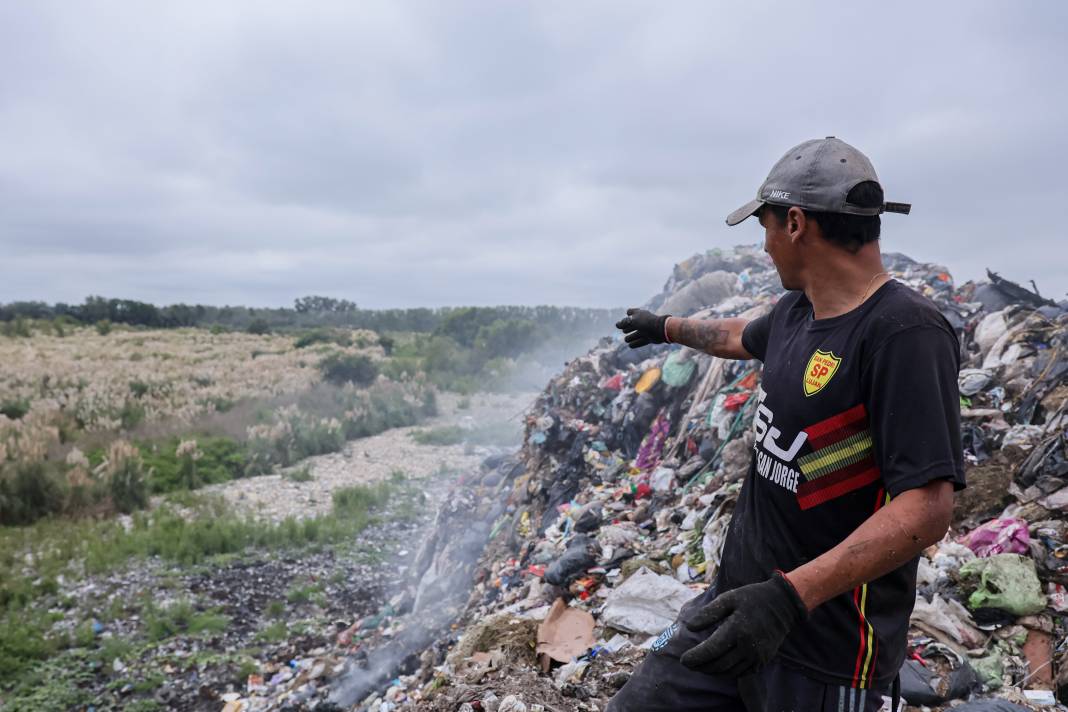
(535, 579)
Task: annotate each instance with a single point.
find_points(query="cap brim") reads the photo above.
(745, 211)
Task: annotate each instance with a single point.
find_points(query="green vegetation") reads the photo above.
(350, 501)
(33, 489)
(17, 327)
(15, 409)
(30, 652)
(217, 459)
(299, 474)
(307, 313)
(303, 594)
(181, 617)
(127, 486)
(259, 327)
(339, 369)
(322, 420)
(443, 435)
(323, 336)
(30, 490)
(46, 685)
(71, 548)
(503, 433)
(325, 418)
(486, 363)
(275, 632)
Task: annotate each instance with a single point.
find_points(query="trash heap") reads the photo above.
(632, 464)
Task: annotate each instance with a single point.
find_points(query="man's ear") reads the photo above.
(796, 223)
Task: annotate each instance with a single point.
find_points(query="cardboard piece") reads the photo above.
(564, 634)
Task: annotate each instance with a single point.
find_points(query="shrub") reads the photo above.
(259, 327)
(356, 500)
(387, 343)
(399, 368)
(161, 623)
(15, 409)
(444, 357)
(445, 435)
(299, 474)
(302, 594)
(23, 639)
(274, 633)
(219, 459)
(208, 622)
(187, 455)
(103, 327)
(131, 415)
(30, 490)
(323, 336)
(125, 477)
(508, 337)
(21, 327)
(338, 368)
(139, 389)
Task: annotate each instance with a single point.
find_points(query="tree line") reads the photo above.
(462, 323)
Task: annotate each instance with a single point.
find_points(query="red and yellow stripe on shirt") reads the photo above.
(868, 648)
(842, 458)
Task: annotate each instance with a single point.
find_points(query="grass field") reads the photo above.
(94, 421)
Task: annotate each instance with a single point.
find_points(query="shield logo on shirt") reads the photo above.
(819, 371)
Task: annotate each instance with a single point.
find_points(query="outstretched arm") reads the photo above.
(719, 337)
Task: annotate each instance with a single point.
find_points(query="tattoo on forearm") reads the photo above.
(703, 334)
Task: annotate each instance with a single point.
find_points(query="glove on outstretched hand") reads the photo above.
(643, 327)
(755, 620)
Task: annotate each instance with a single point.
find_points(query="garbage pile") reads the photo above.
(631, 466)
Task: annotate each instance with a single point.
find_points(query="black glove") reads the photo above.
(755, 620)
(643, 327)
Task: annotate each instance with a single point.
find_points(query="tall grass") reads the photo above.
(121, 477)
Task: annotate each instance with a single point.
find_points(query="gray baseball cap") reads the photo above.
(817, 175)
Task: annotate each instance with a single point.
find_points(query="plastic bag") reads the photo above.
(1007, 582)
(645, 603)
(1000, 536)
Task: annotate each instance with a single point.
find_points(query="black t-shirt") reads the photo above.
(853, 411)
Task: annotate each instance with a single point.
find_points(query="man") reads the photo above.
(857, 456)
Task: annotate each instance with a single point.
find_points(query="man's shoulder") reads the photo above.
(903, 309)
(790, 300)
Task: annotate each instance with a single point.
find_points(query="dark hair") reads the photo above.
(850, 232)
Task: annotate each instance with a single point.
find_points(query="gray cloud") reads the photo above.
(403, 154)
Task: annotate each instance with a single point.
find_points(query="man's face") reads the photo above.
(782, 250)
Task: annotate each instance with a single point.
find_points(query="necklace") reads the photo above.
(874, 277)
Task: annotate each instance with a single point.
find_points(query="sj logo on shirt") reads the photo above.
(819, 371)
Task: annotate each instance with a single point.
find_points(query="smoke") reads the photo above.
(441, 579)
(531, 371)
(443, 570)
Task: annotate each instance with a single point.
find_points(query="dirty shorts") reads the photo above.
(663, 684)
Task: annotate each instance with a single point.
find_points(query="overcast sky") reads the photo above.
(445, 153)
